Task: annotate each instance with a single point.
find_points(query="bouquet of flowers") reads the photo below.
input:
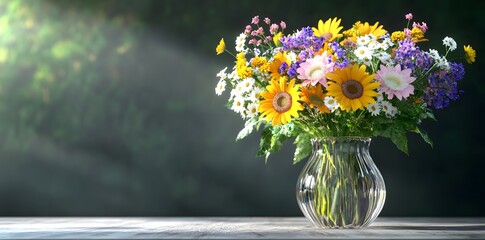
(324, 82)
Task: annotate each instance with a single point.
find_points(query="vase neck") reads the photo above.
(342, 144)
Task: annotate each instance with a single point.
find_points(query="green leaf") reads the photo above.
(398, 136)
(424, 135)
(248, 128)
(303, 147)
(272, 139)
(265, 143)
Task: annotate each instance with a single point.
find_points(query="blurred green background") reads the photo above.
(107, 108)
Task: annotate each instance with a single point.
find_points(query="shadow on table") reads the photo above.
(470, 227)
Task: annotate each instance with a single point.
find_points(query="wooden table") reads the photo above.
(234, 228)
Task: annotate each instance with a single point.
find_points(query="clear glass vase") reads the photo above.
(340, 186)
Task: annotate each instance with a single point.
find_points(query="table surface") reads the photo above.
(233, 228)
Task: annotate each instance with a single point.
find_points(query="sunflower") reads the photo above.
(280, 102)
(275, 65)
(314, 97)
(352, 87)
(330, 30)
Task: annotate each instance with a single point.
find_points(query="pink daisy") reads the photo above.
(313, 70)
(395, 82)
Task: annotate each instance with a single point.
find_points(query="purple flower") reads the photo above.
(405, 54)
(292, 69)
(302, 39)
(283, 68)
(443, 86)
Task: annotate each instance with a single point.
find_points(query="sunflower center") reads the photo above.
(352, 89)
(327, 36)
(316, 100)
(282, 102)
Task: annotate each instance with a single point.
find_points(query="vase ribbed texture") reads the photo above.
(340, 186)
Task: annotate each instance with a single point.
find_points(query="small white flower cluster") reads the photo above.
(368, 47)
(439, 60)
(382, 106)
(449, 43)
(240, 43)
(244, 96)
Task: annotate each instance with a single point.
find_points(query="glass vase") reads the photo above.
(340, 186)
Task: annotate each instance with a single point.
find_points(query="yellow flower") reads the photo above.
(417, 35)
(362, 29)
(352, 87)
(280, 102)
(277, 37)
(258, 61)
(265, 68)
(221, 47)
(262, 63)
(398, 36)
(470, 54)
(330, 29)
(314, 97)
(375, 29)
(242, 70)
(275, 65)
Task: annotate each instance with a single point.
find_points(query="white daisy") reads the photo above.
(363, 52)
(331, 103)
(383, 56)
(374, 109)
(380, 97)
(386, 44)
(222, 74)
(252, 110)
(253, 96)
(442, 63)
(233, 75)
(449, 43)
(221, 87)
(434, 54)
(238, 104)
(247, 84)
(233, 94)
(367, 61)
(240, 41)
(363, 40)
(388, 109)
(373, 45)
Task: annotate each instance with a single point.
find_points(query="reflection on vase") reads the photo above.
(340, 186)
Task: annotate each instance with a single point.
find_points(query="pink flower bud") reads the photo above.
(283, 25)
(409, 16)
(255, 20)
(267, 21)
(273, 28)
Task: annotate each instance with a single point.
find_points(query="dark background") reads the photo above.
(107, 108)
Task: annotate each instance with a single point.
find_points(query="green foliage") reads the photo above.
(272, 139)
(303, 147)
(250, 124)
